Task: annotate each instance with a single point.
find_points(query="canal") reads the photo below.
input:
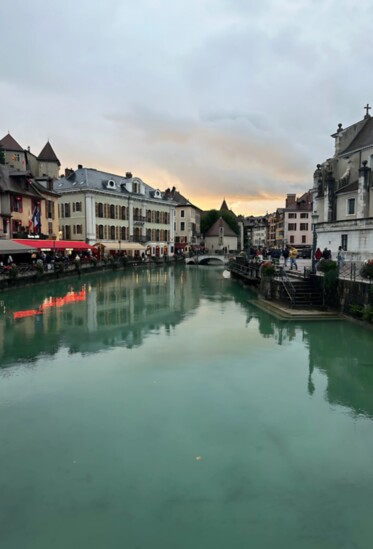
(161, 409)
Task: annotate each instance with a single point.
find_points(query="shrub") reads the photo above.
(368, 313)
(356, 310)
(366, 270)
(268, 269)
(327, 265)
(13, 271)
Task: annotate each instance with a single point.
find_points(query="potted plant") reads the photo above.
(366, 270)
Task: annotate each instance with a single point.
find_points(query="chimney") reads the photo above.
(290, 200)
(80, 166)
(128, 175)
(68, 172)
(28, 148)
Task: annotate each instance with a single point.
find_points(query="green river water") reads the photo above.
(161, 409)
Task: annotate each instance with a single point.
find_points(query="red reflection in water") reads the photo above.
(71, 297)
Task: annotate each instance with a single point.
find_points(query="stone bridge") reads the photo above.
(206, 260)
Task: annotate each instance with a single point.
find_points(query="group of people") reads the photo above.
(327, 254)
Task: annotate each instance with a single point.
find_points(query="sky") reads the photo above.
(223, 99)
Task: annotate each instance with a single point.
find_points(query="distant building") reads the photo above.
(120, 212)
(343, 192)
(297, 220)
(45, 166)
(220, 238)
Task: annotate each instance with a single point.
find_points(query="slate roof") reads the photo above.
(177, 197)
(363, 139)
(215, 229)
(14, 182)
(10, 144)
(96, 180)
(224, 206)
(349, 187)
(48, 155)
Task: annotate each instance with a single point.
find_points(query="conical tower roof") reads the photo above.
(48, 154)
(10, 144)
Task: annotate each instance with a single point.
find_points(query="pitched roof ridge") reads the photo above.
(9, 143)
(47, 154)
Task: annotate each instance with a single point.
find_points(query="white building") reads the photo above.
(343, 192)
(220, 238)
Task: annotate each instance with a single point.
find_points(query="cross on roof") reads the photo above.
(367, 109)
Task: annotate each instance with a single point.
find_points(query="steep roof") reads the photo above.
(17, 182)
(48, 155)
(10, 144)
(177, 197)
(215, 229)
(363, 139)
(224, 206)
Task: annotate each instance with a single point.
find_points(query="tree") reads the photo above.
(2, 155)
(210, 217)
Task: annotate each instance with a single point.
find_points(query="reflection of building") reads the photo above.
(113, 311)
(121, 212)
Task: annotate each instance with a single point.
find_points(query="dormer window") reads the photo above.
(111, 184)
(157, 194)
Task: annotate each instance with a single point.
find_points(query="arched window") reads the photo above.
(148, 235)
(100, 232)
(100, 211)
(157, 234)
(112, 211)
(149, 216)
(123, 212)
(158, 215)
(112, 232)
(123, 233)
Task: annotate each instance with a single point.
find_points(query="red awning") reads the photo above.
(55, 244)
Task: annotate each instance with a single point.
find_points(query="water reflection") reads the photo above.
(122, 309)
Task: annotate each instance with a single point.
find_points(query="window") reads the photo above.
(100, 211)
(123, 212)
(112, 232)
(304, 226)
(67, 210)
(182, 213)
(112, 211)
(17, 204)
(304, 215)
(78, 206)
(101, 231)
(344, 241)
(304, 239)
(50, 227)
(182, 226)
(157, 235)
(292, 215)
(79, 229)
(350, 206)
(149, 216)
(50, 209)
(292, 239)
(292, 226)
(148, 234)
(123, 233)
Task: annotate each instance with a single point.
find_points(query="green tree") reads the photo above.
(210, 217)
(2, 155)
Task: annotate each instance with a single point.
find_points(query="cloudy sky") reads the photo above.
(231, 99)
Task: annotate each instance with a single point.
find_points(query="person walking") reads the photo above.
(285, 255)
(340, 258)
(293, 258)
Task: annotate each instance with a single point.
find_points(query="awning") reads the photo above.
(123, 246)
(55, 244)
(13, 247)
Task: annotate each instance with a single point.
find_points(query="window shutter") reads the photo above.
(73, 206)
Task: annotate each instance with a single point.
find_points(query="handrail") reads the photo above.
(287, 284)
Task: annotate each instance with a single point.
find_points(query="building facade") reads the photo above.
(187, 221)
(220, 238)
(343, 192)
(297, 221)
(122, 213)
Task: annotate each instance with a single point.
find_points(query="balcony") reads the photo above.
(139, 220)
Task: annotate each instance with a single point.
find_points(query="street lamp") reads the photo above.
(315, 217)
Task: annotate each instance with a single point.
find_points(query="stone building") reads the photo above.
(343, 192)
(220, 238)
